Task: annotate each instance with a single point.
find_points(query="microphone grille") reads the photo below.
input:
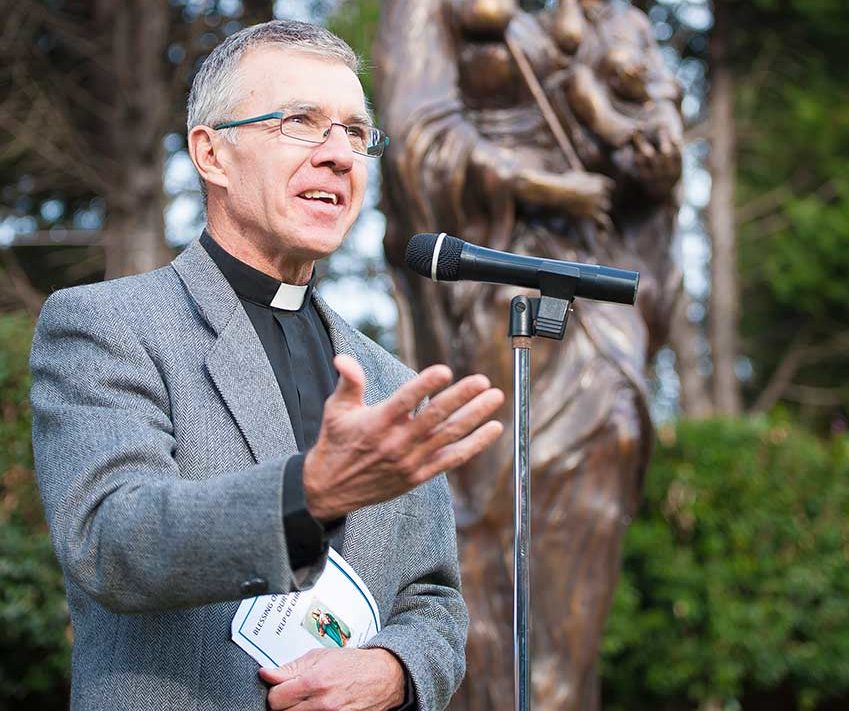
(420, 252)
(420, 256)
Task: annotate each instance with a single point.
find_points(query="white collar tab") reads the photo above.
(290, 297)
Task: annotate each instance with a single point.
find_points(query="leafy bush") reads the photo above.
(736, 572)
(34, 627)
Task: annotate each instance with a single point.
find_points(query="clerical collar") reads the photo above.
(253, 285)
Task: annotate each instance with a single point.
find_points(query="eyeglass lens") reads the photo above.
(314, 127)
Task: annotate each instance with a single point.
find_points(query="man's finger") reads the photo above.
(352, 380)
(410, 394)
(447, 402)
(466, 419)
(458, 453)
(288, 693)
(274, 675)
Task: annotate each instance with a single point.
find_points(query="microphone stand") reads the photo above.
(545, 316)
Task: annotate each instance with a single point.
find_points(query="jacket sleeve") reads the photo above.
(428, 624)
(125, 525)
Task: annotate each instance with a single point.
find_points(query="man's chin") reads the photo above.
(315, 245)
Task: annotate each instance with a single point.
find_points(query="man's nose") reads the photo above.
(336, 151)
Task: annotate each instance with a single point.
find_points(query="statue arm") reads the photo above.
(441, 171)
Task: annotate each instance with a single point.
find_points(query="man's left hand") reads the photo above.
(333, 679)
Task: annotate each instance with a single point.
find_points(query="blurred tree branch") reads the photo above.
(93, 89)
(814, 395)
(800, 353)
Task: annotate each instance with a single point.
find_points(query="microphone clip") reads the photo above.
(551, 317)
(547, 315)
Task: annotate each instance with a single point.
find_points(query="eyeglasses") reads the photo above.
(315, 127)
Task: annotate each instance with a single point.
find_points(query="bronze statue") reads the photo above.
(553, 133)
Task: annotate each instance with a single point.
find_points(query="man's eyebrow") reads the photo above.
(290, 106)
(358, 118)
(352, 118)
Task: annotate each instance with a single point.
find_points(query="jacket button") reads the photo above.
(253, 586)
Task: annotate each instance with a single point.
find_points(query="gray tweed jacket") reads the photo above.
(160, 437)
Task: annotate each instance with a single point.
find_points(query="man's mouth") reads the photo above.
(325, 197)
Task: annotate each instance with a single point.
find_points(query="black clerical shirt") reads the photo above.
(301, 356)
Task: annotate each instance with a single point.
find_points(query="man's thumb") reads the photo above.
(352, 380)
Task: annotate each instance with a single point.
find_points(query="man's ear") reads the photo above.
(206, 151)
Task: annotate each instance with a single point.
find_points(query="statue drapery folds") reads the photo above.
(553, 133)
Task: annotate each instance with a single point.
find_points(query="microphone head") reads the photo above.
(420, 256)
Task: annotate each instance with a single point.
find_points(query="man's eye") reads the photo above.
(301, 120)
(356, 131)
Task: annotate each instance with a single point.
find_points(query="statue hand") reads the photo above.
(579, 194)
(653, 160)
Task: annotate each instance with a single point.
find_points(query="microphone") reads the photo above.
(445, 258)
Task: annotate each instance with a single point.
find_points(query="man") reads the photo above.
(185, 452)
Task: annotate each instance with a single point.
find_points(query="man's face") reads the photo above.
(269, 176)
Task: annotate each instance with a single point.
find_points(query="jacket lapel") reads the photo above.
(237, 363)
(345, 339)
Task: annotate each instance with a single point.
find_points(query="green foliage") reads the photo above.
(34, 627)
(736, 572)
(356, 22)
(806, 255)
(35, 637)
(15, 339)
(793, 190)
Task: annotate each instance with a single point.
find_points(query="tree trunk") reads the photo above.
(141, 111)
(724, 296)
(684, 336)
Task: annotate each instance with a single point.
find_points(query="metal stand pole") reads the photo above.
(521, 523)
(521, 328)
(545, 316)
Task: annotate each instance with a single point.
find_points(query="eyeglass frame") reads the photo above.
(283, 114)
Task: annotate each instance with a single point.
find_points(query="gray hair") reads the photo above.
(216, 89)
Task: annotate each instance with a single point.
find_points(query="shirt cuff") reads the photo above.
(306, 537)
(409, 693)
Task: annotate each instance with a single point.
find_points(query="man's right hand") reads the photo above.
(365, 455)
